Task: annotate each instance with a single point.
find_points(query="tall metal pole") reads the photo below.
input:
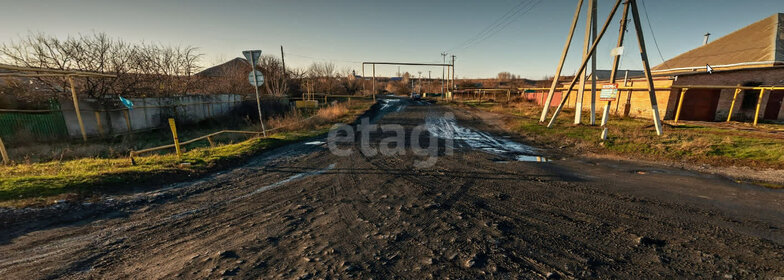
(593, 65)
(443, 71)
(578, 106)
(647, 68)
(374, 82)
(453, 71)
(561, 63)
(585, 61)
(258, 99)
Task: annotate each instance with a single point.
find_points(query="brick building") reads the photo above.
(750, 56)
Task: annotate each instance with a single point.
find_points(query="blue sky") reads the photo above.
(347, 32)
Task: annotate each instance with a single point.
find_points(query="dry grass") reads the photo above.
(695, 142)
(36, 182)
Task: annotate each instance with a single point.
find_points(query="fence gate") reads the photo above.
(40, 124)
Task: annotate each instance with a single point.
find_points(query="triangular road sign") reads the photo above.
(252, 56)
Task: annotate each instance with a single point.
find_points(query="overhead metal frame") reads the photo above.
(374, 63)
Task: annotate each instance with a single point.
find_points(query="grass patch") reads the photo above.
(89, 176)
(631, 137)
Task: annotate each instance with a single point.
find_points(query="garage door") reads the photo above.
(700, 104)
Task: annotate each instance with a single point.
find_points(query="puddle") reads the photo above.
(447, 128)
(288, 180)
(531, 158)
(259, 190)
(315, 143)
(387, 103)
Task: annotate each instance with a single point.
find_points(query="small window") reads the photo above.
(750, 96)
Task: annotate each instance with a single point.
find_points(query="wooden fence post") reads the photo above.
(127, 119)
(4, 153)
(98, 123)
(212, 144)
(76, 108)
(176, 140)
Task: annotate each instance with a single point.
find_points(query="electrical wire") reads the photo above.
(512, 19)
(648, 19)
(487, 28)
(497, 25)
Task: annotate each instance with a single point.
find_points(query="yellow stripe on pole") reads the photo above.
(176, 140)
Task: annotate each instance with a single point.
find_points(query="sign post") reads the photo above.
(256, 79)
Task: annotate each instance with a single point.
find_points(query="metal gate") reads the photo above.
(40, 124)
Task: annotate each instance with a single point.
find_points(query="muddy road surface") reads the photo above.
(455, 199)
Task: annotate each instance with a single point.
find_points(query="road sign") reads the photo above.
(252, 56)
(258, 80)
(609, 92)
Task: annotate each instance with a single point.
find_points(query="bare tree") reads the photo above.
(274, 76)
(141, 69)
(323, 76)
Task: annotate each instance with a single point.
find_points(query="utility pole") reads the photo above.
(593, 65)
(283, 62)
(560, 64)
(443, 70)
(453, 71)
(578, 106)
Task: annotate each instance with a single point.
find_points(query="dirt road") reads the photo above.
(494, 208)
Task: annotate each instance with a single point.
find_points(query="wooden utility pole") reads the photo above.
(283, 62)
(593, 64)
(76, 108)
(561, 63)
(647, 68)
(616, 61)
(578, 106)
(585, 62)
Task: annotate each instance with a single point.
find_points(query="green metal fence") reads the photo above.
(40, 124)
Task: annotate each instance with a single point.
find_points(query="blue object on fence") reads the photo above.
(126, 102)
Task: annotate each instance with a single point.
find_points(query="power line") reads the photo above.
(512, 19)
(648, 19)
(321, 59)
(494, 25)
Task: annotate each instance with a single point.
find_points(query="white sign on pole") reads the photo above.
(617, 51)
(256, 80)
